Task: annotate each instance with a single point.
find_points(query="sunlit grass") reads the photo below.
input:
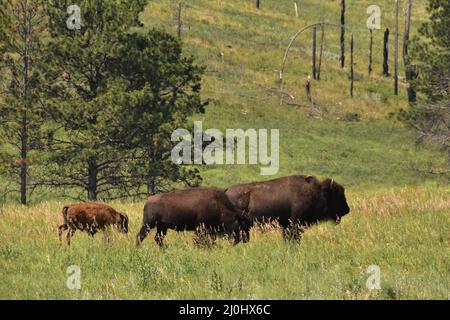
(403, 230)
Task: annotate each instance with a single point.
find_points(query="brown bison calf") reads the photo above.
(196, 209)
(91, 217)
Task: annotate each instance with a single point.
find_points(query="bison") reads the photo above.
(91, 217)
(192, 210)
(295, 202)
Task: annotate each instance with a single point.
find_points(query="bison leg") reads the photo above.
(245, 236)
(205, 236)
(237, 236)
(289, 233)
(213, 235)
(107, 230)
(292, 232)
(91, 231)
(61, 229)
(70, 235)
(160, 234)
(106, 236)
(145, 229)
(233, 231)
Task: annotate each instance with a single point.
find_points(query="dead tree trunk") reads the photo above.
(25, 97)
(352, 73)
(342, 33)
(322, 39)
(179, 19)
(410, 72)
(294, 37)
(151, 186)
(257, 4)
(23, 162)
(386, 53)
(314, 53)
(24, 129)
(370, 51)
(396, 50)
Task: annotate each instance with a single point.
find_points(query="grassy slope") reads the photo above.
(243, 48)
(394, 223)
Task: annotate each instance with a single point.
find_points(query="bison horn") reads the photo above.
(331, 184)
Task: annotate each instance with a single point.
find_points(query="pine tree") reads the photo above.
(22, 23)
(114, 97)
(77, 75)
(161, 90)
(430, 51)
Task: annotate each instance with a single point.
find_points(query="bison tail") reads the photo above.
(64, 213)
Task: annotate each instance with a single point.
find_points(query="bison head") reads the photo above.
(123, 223)
(334, 194)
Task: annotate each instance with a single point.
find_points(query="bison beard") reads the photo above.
(296, 202)
(194, 209)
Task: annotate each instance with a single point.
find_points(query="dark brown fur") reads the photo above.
(190, 210)
(91, 217)
(295, 201)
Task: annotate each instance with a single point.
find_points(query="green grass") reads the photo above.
(403, 230)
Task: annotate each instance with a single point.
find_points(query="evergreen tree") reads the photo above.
(76, 73)
(114, 98)
(431, 53)
(157, 92)
(22, 23)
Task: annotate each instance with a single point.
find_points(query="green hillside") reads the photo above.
(243, 47)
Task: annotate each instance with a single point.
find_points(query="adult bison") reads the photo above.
(295, 202)
(193, 210)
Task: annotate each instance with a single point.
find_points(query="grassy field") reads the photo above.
(403, 230)
(399, 200)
